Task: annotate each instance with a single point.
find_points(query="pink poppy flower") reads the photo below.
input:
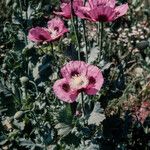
(143, 112)
(101, 10)
(39, 34)
(78, 77)
(55, 29)
(66, 8)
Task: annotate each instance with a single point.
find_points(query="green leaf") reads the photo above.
(97, 115)
(93, 54)
(63, 129)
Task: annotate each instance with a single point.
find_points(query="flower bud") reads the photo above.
(24, 80)
(18, 114)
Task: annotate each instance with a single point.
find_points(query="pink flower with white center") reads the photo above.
(78, 77)
(101, 10)
(55, 29)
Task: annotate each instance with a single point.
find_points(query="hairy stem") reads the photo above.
(75, 32)
(100, 38)
(82, 103)
(85, 40)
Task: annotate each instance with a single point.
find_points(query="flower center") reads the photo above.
(78, 82)
(102, 18)
(53, 32)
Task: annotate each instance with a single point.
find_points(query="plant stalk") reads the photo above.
(100, 39)
(82, 103)
(75, 32)
(85, 40)
(20, 5)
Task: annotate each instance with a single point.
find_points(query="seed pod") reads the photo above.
(24, 80)
(142, 45)
(18, 114)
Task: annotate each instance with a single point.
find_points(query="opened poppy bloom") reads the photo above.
(78, 77)
(55, 29)
(101, 10)
(66, 8)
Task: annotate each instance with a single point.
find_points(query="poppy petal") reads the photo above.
(73, 68)
(95, 80)
(39, 34)
(62, 90)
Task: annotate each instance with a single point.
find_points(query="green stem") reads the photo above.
(75, 32)
(85, 40)
(20, 5)
(52, 49)
(36, 89)
(100, 39)
(82, 103)
(76, 36)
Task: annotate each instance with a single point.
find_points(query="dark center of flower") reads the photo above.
(74, 73)
(56, 29)
(66, 87)
(87, 15)
(43, 38)
(92, 80)
(102, 18)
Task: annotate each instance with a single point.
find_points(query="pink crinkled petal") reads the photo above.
(82, 11)
(85, 13)
(73, 68)
(105, 14)
(77, 4)
(66, 10)
(111, 3)
(55, 22)
(39, 34)
(57, 25)
(121, 10)
(96, 80)
(92, 3)
(63, 91)
(110, 13)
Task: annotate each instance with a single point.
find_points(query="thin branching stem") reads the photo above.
(20, 5)
(75, 32)
(85, 40)
(82, 103)
(100, 38)
(52, 49)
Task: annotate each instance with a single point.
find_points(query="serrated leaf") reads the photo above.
(93, 54)
(26, 143)
(97, 115)
(107, 66)
(63, 129)
(88, 145)
(71, 52)
(30, 11)
(8, 2)
(5, 91)
(65, 115)
(42, 70)
(93, 147)
(19, 125)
